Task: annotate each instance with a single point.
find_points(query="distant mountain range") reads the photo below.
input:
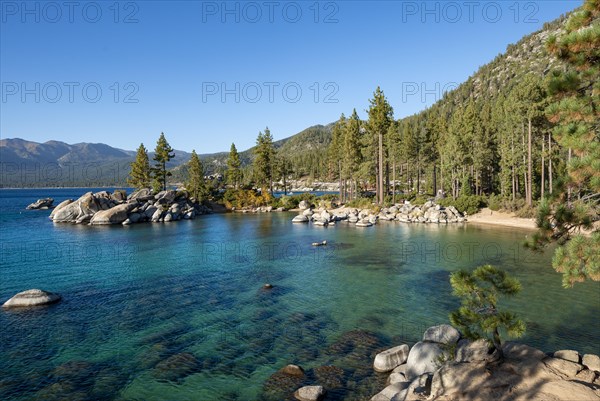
(56, 164)
(53, 163)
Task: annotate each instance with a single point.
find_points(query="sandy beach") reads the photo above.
(488, 216)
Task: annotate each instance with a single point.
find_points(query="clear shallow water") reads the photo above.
(176, 311)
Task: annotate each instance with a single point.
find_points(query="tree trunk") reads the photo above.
(529, 165)
(550, 162)
(512, 160)
(387, 179)
(394, 181)
(543, 161)
(418, 175)
(498, 344)
(569, 185)
(434, 181)
(524, 164)
(340, 182)
(380, 162)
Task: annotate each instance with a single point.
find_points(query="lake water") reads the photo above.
(177, 311)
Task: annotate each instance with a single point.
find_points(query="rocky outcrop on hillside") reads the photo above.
(105, 208)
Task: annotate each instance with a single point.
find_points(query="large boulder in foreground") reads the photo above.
(443, 334)
(114, 215)
(475, 351)
(423, 358)
(33, 297)
(389, 359)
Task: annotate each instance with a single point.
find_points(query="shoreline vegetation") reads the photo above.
(140, 201)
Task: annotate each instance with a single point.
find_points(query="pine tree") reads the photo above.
(264, 161)
(381, 115)
(139, 176)
(478, 316)
(196, 185)
(352, 152)
(575, 205)
(234, 174)
(163, 153)
(335, 153)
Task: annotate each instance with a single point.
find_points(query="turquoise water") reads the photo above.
(177, 311)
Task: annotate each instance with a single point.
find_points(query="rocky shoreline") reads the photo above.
(106, 208)
(405, 213)
(444, 366)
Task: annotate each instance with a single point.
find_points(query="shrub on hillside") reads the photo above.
(465, 204)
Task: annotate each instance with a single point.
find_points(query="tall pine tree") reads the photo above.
(381, 115)
(139, 176)
(163, 153)
(264, 160)
(196, 185)
(234, 174)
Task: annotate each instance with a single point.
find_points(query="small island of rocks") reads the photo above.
(106, 208)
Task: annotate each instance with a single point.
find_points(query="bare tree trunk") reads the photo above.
(524, 164)
(529, 165)
(512, 159)
(380, 162)
(434, 181)
(341, 189)
(394, 181)
(418, 175)
(569, 187)
(543, 167)
(550, 162)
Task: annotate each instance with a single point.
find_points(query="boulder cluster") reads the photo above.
(41, 204)
(445, 367)
(405, 213)
(104, 208)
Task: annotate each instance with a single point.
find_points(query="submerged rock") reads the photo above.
(292, 370)
(176, 367)
(280, 385)
(33, 297)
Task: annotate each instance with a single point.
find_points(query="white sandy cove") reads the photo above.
(487, 216)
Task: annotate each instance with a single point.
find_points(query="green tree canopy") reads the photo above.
(381, 115)
(139, 176)
(575, 111)
(234, 173)
(264, 160)
(196, 185)
(162, 154)
(478, 316)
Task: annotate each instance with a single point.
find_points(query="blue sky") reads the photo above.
(212, 73)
